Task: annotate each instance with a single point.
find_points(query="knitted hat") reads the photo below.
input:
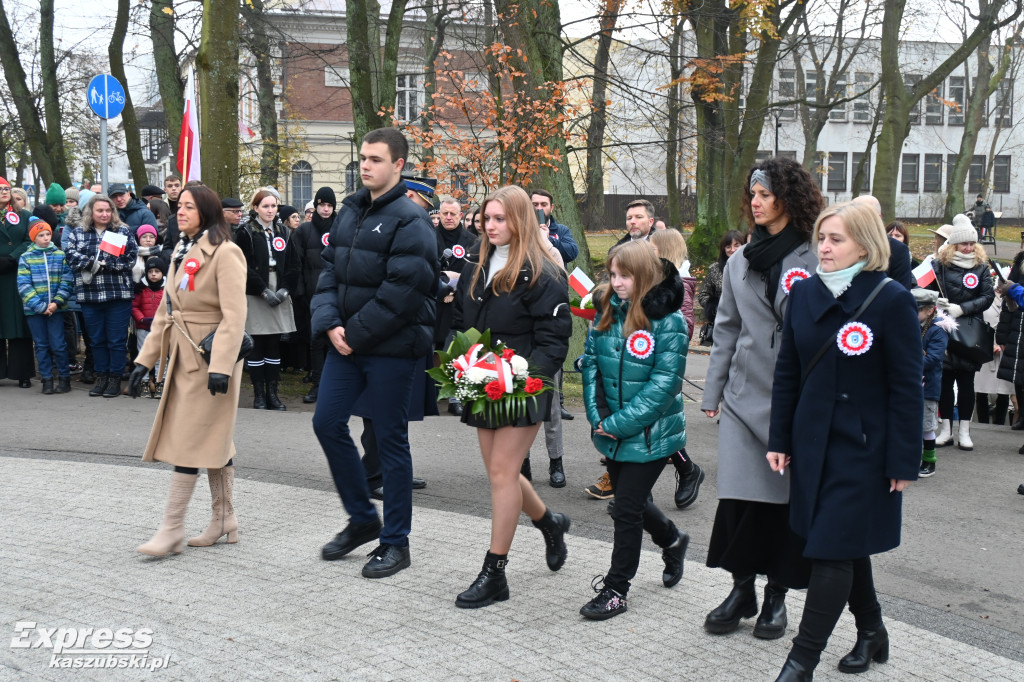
(37, 225)
(146, 229)
(309, 206)
(70, 194)
(284, 212)
(83, 197)
(325, 195)
(47, 214)
(963, 231)
(156, 262)
(55, 195)
(4, 183)
(925, 297)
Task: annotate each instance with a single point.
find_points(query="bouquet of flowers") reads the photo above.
(583, 307)
(486, 378)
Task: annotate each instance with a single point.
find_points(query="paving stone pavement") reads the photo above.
(270, 608)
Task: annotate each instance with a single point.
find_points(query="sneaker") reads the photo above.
(927, 469)
(74, 368)
(607, 604)
(673, 557)
(602, 490)
(386, 560)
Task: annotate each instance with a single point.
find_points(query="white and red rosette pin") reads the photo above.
(640, 344)
(971, 280)
(326, 238)
(854, 338)
(792, 276)
(190, 268)
(459, 251)
(12, 218)
(279, 243)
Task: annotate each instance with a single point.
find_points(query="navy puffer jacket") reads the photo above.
(633, 391)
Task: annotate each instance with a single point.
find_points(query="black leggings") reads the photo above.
(194, 471)
(833, 585)
(998, 414)
(964, 379)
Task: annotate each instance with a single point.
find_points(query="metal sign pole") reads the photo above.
(103, 154)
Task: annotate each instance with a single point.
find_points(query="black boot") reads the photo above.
(872, 645)
(100, 386)
(795, 672)
(771, 624)
(673, 556)
(64, 385)
(741, 603)
(557, 473)
(113, 386)
(525, 469)
(490, 586)
(48, 386)
(554, 527)
(273, 402)
(688, 485)
(311, 397)
(88, 375)
(259, 398)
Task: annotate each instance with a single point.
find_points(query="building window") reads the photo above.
(934, 109)
(787, 92)
(741, 93)
(1003, 110)
(460, 183)
(838, 112)
(976, 175)
(910, 174)
(1001, 174)
(837, 171)
(762, 155)
(862, 105)
(933, 172)
(910, 81)
(957, 85)
(408, 97)
(336, 76)
(351, 177)
(302, 183)
(855, 159)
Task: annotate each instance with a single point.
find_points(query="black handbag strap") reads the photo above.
(828, 342)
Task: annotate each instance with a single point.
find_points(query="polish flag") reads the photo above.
(113, 243)
(580, 283)
(188, 144)
(923, 273)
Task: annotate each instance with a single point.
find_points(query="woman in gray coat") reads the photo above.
(751, 533)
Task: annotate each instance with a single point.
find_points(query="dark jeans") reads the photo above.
(108, 333)
(264, 361)
(633, 514)
(48, 335)
(964, 379)
(317, 353)
(70, 336)
(387, 383)
(998, 414)
(371, 456)
(833, 585)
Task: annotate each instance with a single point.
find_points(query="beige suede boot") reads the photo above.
(223, 522)
(170, 537)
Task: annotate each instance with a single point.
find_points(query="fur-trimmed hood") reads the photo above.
(945, 322)
(667, 296)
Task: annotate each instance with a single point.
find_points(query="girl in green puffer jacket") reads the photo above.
(632, 382)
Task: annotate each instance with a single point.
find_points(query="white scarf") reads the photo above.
(840, 280)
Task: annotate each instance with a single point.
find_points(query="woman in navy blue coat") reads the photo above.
(849, 432)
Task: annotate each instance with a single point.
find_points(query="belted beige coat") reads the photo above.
(193, 428)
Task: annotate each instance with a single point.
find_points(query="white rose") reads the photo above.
(519, 366)
(587, 301)
(476, 375)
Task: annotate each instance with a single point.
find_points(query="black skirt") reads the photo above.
(538, 409)
(755, 538)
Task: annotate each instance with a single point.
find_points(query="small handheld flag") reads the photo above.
(580, 283)
(113, 243)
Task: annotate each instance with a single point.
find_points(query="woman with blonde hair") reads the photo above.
(519, 293)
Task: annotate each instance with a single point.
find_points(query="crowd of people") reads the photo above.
(803, 310)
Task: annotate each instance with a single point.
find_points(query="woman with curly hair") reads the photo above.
(751, 534)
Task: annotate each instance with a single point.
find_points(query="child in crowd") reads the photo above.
(147, 238)
(935, 329)
(148, 297)
(632, 388)
(45, 282)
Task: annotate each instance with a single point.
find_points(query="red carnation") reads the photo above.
(533, 385)
(493, 390)
(507, 354)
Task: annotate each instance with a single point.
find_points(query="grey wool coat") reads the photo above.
(740, 375)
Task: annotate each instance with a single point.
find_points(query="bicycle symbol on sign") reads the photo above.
(116, 97)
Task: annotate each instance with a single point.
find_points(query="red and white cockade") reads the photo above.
(855, 338)
(791, 277)
(640, 344)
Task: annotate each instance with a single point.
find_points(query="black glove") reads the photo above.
(8, 264)
(217, 383)
(271, 298)
(282, 294)
(137, 378)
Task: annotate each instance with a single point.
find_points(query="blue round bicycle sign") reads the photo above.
(106, 96)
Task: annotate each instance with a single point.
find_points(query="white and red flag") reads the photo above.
(923, 273)
(113, 243)
(188, 144)
(580, 283)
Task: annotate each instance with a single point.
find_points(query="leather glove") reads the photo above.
(270, 297)
(136, 379)
(282, 294)
(953, 310)
(217, 383)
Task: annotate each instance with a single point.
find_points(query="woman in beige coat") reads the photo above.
(194, 426)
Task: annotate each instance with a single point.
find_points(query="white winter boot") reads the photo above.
(965, 436)
(945, 436)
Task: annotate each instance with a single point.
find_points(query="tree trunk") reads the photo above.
(672, 203)
(258, 43)
(864, 165)
(217, 71)
(129, 120)
(28, 117)
(433, 42)
(371, 74)
(51, 97)
(593, 200)
(168, 76)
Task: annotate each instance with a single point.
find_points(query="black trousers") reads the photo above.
(371, 455)
(996, 415)
(633, 514)
(17, 359)
(834, 584)
(964, 379)
(264, 361)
